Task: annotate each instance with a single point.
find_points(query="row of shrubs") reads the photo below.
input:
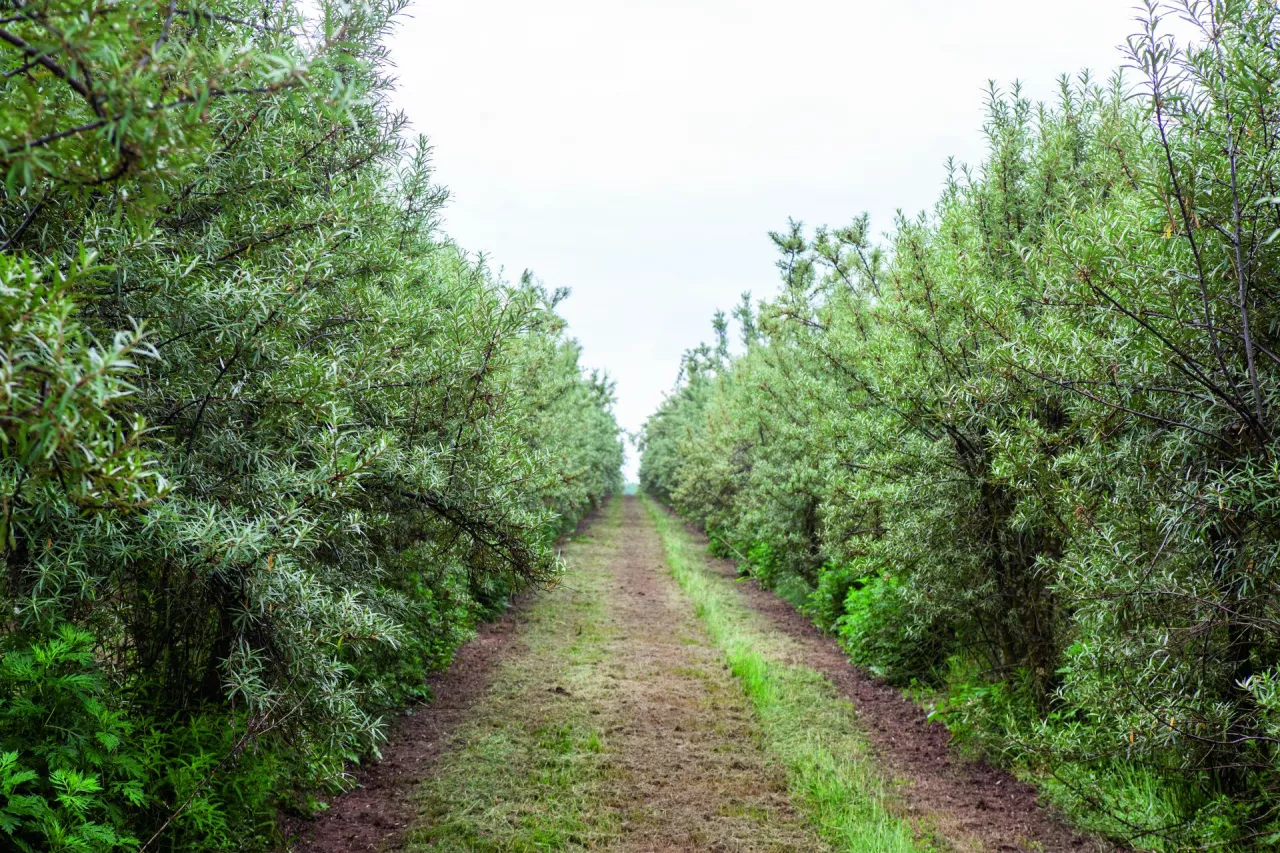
(1022, 454)
(270, 444)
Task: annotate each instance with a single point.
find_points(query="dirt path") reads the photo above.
(606, 720)
(602, 716)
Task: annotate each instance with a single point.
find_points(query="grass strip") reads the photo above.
(525, 773)
(806, 724)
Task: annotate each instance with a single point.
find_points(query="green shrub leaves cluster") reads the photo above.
(1026, 452)
(269, 444)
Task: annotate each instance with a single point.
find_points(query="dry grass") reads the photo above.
(617, 726)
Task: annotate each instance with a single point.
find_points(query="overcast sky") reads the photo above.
(639, 151)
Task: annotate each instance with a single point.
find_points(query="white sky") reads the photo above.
(638, 151)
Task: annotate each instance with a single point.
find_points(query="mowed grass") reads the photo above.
(806, 724)
(525, 773)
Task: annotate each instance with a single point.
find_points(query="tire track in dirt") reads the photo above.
(694, 776)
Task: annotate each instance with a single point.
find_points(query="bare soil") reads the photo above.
(969, 804)
(375, 815)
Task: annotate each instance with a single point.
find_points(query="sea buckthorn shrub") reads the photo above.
(1031, 438)
(270, 443)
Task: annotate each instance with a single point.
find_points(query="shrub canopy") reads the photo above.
(269, 442)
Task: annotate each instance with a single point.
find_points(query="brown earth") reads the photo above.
(970, 804)
(375, 814)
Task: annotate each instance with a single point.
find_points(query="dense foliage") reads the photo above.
(1024, 456)
(269, 444)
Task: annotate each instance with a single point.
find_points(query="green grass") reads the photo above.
(518, 790)
(806, 724)
(524, 774)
